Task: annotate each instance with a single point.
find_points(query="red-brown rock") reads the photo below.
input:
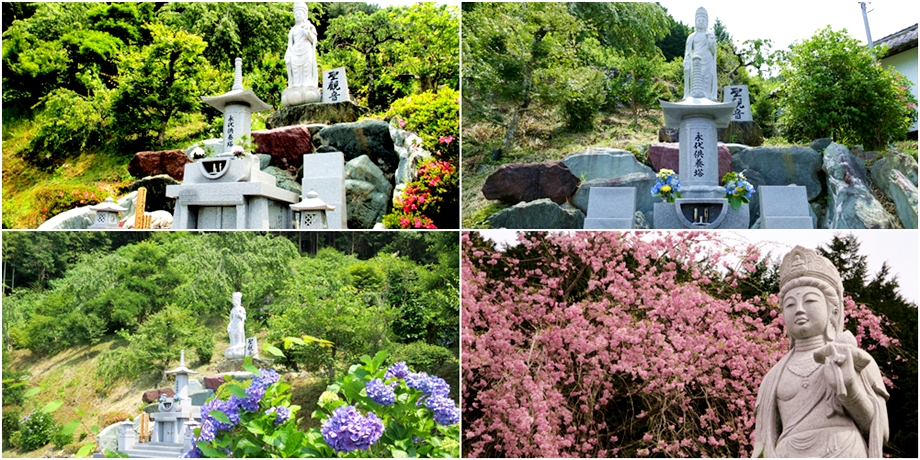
(513, 183)
(286, 145)
(213, 382)
(152, 396)
(667, 156)
(171, 162)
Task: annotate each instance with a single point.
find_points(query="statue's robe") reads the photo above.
(800, 437)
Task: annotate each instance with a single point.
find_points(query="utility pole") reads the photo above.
(866, 21)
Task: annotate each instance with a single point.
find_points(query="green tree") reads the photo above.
(835, 88)
(674, 43)
(366, 36)
(431, 50)
(512, 56)
(160, 82)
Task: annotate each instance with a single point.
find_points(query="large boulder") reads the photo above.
(368, 137)
(152, 396)
(286, 145)
(171, 162)
(783, 166)
(367, 193)
(668, 156)
(603, 163)
(156, 192)
(642, 181)
(74, 219)
(851, 202)
(284, 179)
(512, 183)
(888, 174)
(326, 113)
(539, 214)
(744, 132)
(408, 146)
(756, 181)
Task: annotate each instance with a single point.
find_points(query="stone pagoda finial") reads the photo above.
(238, 75)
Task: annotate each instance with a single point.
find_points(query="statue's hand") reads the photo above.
(839, 369)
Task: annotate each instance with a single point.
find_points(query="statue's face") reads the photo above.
(701, 22)
(300, 15)
(805, 312)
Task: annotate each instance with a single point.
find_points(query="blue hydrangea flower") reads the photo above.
(267, 377)
(444, 409)
(399, 370)
(347, 430)
(380, 393)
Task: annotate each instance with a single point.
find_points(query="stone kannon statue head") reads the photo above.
(702, 18)
(805, 268)
(301, 12)
(237, 299)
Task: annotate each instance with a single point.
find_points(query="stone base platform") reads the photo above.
(715, 213)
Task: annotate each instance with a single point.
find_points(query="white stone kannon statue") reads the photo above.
(700, 78)
(826, 397)
(235, 328)
(300, 61)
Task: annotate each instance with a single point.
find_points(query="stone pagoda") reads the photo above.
(229, 191)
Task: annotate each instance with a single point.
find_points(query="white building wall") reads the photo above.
(906, 63)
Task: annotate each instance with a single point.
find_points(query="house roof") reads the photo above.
(899, 41)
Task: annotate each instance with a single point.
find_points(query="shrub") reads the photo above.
(55, 199)
(37, 430)
(835, 88)
(423, 356)
(431, 201)
(60, 438)
(582, 99)
(14, 386)
(68, 125)
(634, 84)
(11, 415)
(434, 116)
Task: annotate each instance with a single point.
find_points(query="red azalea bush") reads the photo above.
(55, 199)
(431, 200)
(607, 344)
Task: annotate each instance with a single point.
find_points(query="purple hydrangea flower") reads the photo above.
(229, 408)
(380, 393)
(399, 370)
(281, 414)
(348, 430)
(267, 377)
(437, 386)
(444, 409)
(417, 381)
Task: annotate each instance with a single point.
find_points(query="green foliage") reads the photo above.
(635, 84)
(583, 96)
(67, 125)
(320, 301)
(159, 82)
(673, 45)
(61, 438)
(422, 356)
(37, 429)
(834, 88)
(11, 415)
(429, 50)
(154, 345)
(628, 28)
(434, 116)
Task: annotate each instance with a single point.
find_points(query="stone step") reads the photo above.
(155, 450)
